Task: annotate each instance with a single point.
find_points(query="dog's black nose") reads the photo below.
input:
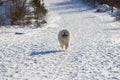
(64, 33)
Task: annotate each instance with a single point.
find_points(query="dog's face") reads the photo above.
(65, 34)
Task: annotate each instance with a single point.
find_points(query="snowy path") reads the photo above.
(35, 55)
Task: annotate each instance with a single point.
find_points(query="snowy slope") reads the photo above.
(94, 53)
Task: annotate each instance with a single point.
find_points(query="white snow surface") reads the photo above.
(34, 54)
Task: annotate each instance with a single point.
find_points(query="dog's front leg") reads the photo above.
(66, 46)
(62, 46)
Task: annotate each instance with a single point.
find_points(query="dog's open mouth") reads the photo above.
(64, 36)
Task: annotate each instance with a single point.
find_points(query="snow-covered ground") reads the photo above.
(34, 54)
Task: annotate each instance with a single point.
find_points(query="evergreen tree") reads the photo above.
(39, 8)
(39, 11)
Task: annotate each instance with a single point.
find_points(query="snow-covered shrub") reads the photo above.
(103, 8)
(17, 11)
(22, 12)
(12, 12)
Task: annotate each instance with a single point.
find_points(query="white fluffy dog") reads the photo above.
(64, 38)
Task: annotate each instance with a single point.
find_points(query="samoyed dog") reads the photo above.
(64, 39)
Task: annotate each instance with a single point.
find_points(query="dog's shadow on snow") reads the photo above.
(46, 52)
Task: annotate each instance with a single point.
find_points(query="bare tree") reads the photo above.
(17, 11)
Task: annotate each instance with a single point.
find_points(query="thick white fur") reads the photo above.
(64, 41)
